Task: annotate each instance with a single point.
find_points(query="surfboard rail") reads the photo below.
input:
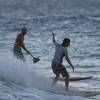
(73, 78)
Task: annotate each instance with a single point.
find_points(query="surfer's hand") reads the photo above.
(73, 69)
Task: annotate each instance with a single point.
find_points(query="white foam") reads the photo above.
(14, 70)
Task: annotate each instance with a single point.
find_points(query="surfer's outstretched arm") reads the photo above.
(34, 58)
(68, 60)
(27, 50)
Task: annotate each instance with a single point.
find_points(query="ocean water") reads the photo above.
(78, 20)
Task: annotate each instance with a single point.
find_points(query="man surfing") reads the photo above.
(19, 44)
(57, 66)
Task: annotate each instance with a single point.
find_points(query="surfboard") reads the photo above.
(73, 78)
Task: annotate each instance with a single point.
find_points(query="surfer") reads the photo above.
(19, 43)
(57, 66)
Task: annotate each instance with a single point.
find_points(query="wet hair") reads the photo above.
(66, 40)
(24, 30)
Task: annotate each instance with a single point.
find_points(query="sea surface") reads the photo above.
(78, 20)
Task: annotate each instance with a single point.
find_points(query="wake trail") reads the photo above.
(14, 70)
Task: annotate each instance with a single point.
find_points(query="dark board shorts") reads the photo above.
(59, 69)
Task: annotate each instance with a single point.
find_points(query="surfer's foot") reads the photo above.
(54, 82)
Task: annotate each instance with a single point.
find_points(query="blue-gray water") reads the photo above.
(78, 20)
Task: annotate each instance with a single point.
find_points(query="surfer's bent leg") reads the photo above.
(66, 75)
(56, 72)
